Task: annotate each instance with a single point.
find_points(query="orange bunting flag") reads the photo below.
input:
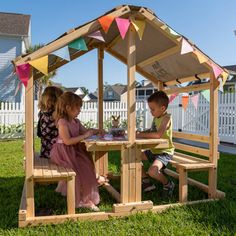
(185, 102)
(40, 64)
(106, 22)
(139, 26)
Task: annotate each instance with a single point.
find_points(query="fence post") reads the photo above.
(180, 109)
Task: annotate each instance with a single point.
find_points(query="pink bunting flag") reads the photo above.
(186, 47)
(23, 72)
(97, 35)
(123, 26)
(194, 100)
(172, 97)
(217, 70)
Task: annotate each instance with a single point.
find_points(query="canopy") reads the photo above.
(161, 53)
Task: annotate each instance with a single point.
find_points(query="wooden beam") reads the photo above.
(160, 56)
(113, 42)
(192, 137)
(29, 144)
(188, 79)
(131, 69)
(213, 145)
(138, 69)
(196, 87)
(65, 40)
(100, 87)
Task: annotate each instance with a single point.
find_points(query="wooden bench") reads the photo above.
(46, 171)
(185, 163)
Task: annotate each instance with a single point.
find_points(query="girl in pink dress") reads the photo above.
(70, 152)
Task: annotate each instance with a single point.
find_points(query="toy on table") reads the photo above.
(115, 130)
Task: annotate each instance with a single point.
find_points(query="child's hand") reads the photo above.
(88, 133)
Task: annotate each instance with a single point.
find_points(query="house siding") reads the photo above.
(10, 48)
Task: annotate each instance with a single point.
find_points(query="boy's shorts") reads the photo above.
(164, 158)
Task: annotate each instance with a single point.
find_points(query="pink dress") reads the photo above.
(77, 158)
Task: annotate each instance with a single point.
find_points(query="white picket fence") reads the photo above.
(192, 120)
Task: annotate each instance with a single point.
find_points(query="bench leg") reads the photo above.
(212, 182)
(183, 185)
(71, 195)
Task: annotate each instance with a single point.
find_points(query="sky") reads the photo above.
(209, 24)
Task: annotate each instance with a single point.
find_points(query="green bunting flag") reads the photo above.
(78, 44)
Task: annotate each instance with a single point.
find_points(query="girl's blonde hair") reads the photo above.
(49, 98)
(66, 99)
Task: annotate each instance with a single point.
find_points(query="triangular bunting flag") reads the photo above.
(23, 72)
(186, 47)
(172, 97)
(201, 58)
(185, 102)
(206, 94)
(97, 35)
(62, 53)
(106, 22)
(216, 70)
(78, 44)
(40, 64)
(194, 100)
(123, 26)
(139, 26)
(224, 77)
(221, 88)
(172, 33)
(18, 88)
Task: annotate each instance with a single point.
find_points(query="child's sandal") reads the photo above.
(101, 180)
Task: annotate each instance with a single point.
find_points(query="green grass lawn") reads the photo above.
(215, 218)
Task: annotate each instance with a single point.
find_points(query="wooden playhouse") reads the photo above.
(162, 56)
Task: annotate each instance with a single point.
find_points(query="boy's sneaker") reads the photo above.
(147, 186)
(168, 189)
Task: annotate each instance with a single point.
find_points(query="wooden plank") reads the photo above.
(183, 185)
(196, 87)
(132, 206)
(124, 189)
(29, 144)
(65, 40)
(47, 173)
(213, 145)
(138, 177)
(100, 87)
(192, 137)
(132, 174)
(192, 166)
(159, 56)
(22, 214)
(131, 68)
(114, 193)
(38, 172)
(71, 195)
(196, 150)
(189, 157)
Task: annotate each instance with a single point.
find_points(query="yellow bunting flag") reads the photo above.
(201, 58)
(139, 26)
(106, 22)
(40, 64)
(185, 102)
(224, 77)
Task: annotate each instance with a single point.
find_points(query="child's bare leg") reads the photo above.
(154, 172)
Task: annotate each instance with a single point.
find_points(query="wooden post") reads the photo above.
(183, 185)
(213, 145)
(29, 144)
(131, 156)
(71, 195)
(101, 158)
(160, 86)
(131, 63)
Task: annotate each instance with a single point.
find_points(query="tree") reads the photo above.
(45, 80)
(85, 90)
